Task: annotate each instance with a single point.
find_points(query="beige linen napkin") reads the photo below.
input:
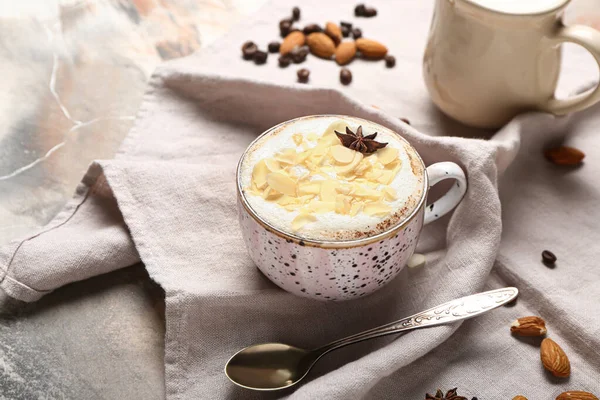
(168, 199)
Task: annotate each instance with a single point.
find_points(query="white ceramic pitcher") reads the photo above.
(488, 60)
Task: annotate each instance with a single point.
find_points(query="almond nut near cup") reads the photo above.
(291, 41)
(554, 359)
(371, 49)
(576, 395)
(334, 32)
(345, 53)
(320, 45)
(528, 326)
(565, 156)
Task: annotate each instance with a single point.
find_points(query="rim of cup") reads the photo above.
(329, 243)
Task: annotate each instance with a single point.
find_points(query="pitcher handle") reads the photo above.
(436, 173)
(589, 39)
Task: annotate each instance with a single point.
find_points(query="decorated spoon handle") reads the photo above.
(455, 310)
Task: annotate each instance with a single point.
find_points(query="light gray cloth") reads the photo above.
(169, 199)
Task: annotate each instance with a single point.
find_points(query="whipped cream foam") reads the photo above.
(407, 185)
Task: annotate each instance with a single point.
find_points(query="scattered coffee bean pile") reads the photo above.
(324, 42)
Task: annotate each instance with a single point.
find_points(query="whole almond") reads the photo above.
(554, 359)
(292, 40)
(576, 395)
(564, 155)
(519, 397)
(371, 49)
(320, 45)
(334, 32)
(529, 326)
(345, 53)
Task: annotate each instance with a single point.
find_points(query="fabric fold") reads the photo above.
(87, 238)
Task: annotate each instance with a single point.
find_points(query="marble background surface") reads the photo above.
(73, 74)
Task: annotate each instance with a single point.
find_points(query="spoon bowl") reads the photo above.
(274, 366)
(269, 366)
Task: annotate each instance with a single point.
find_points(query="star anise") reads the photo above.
(358, 142)
(450, 395)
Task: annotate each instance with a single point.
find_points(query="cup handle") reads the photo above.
(589, 39)
(436, 173)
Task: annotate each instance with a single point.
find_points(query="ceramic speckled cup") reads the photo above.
(344, 269)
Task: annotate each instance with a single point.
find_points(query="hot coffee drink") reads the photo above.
(331, 207)
(302, 178)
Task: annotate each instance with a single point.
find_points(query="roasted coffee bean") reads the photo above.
(286, 22)
(548, 257)
(356, 33)
(296, 13)
(260, 57)
(312, 28)
(346, 24)
(369, 12)
(345, 76)
(299, 54)
(274, 47)
(285, 30)
(406, 121)
(299, 59)
(359, 10)
(345, 31)
(285, 27)
(248, 50)
(303, 75)
(390, 61)
(285, 60)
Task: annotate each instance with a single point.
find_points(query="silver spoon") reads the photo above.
(274, 366)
